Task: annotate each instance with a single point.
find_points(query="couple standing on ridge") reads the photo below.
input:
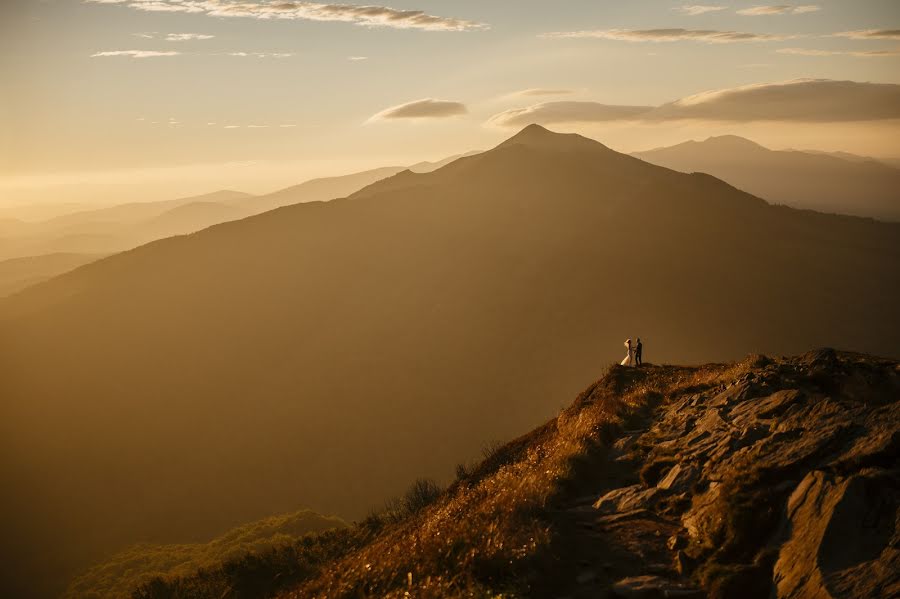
(633, 357)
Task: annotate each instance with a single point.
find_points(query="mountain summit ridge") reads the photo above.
(537, 136)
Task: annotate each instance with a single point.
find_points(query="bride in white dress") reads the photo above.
(629, 357)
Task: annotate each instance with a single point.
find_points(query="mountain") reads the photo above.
(329, 188)
(125, 226)
(771, 477)
(317, 190)
(136, 212)
(111, 229)
(18, 273)
(814, 181)
(323, 354)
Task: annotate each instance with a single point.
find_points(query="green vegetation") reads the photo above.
(271, 540)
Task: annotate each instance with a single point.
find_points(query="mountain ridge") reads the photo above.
(807, 180)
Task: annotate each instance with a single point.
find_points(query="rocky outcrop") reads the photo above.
(783, 482)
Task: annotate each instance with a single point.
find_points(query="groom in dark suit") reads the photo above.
(637, 352)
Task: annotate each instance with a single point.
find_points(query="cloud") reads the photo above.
(183, 37)
(669, 35)
(135, 53)
(422, 109)
(261, 54)
(871, 34)
(779, 9)
(801, 100)
(357, 58)
(698, 9)
(174, 37)
(567, 112)
(540, 91)
(861, 54)
(369, 16)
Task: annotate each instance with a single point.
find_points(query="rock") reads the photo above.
(679, 479)
(652, 587)
(844, 537)
(683, 564)
(627, 499)
(640, 587)
(676, 542)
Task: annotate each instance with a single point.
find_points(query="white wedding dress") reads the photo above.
(629, 357)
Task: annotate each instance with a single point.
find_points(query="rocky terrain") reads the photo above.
(782, 482)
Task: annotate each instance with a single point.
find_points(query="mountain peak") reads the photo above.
(735, 142)
(535, 135)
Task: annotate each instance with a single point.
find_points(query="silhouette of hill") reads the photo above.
(322, 354)
(719, 481)
(18, 273)
(117, 228)
(317, 190)
(112, 229)
(837, 183)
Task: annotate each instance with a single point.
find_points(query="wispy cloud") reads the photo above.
(357, 58)
(428, 108)
(861, 53)
(871, 34)
(540, 91)
(184, 37)
(260, 54)
(135, 53)
(698, 9)
(779, 9)
(669, 35)
(568, 112)
(370, 16)
(801, 100)
(174, 37)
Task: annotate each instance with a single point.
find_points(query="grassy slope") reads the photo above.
(487, 532)
(139, 564)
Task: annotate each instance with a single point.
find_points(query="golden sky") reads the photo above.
(131, 100)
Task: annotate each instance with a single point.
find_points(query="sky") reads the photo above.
(109, 101)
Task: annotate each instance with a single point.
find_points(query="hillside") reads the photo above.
(323, 354)
(129, 569)
(771, 477)
(18, 273)
(125, 226)
(836, 183)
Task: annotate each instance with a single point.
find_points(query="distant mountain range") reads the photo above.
(31, 252)
(839, 183)
(323, 354)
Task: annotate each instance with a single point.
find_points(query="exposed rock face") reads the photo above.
(783, 483)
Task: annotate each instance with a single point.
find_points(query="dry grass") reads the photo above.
(478, 538)
(482, 536)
